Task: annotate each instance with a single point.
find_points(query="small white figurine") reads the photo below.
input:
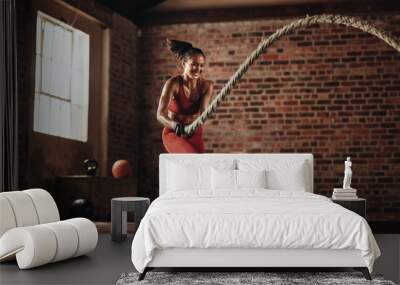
(347, 174)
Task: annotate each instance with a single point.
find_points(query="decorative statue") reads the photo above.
(347, 174)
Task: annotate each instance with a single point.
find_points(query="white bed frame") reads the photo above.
(179, 257)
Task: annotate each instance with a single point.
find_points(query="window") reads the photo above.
(62, 79)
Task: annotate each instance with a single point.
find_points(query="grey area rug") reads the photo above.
(233, 278)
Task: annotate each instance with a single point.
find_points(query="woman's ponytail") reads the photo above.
(182, 49)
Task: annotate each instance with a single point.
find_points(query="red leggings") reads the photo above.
(175, 144)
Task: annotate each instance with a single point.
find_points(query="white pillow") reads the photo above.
(282, 174)
(223, 179)
(188, 174)
(226, 179)
(183, 178)
(251, 178)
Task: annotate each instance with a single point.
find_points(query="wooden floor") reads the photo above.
(103, 266)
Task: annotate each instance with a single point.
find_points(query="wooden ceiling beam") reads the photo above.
(370, 7)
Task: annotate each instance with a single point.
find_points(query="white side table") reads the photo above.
(119, 208)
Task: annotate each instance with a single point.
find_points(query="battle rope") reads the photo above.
(288, 29)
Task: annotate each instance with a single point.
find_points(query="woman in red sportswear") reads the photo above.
(183, 98)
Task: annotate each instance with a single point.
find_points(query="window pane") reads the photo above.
(46, 74)
(43, 113)
(47, 48)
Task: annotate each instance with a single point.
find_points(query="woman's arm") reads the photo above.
(162, 110)
(209, 88)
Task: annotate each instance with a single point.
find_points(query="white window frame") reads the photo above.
(61, 79)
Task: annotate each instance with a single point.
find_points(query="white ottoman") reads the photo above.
(31, 232)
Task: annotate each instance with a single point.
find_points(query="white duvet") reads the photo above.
(253, 218)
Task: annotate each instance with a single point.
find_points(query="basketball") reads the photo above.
(121, 168)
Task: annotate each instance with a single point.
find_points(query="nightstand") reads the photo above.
(119, 208)
(358, 206)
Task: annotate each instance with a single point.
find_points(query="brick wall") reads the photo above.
(329, 90)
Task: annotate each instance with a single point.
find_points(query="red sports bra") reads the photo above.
(181, 104)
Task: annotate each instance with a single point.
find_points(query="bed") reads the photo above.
(247, 210)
